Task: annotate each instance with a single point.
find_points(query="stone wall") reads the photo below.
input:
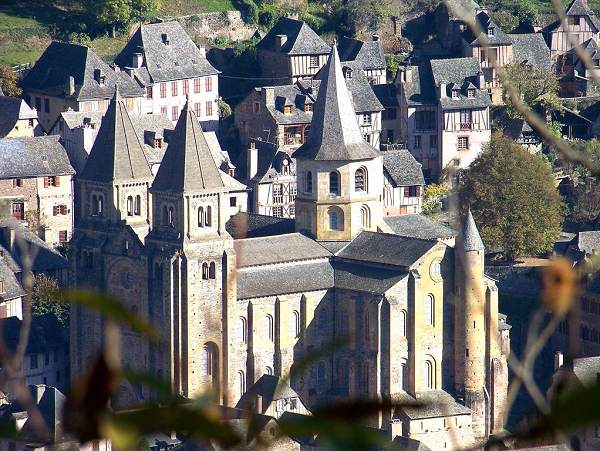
(227, 24)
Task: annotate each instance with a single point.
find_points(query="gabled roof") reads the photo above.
(252, 225)
(459, 71)
(117, 153)
(402, 168)
(270, 388)
(578, 8)
(469, 237)
(386, 93)
(531, 48)
(12, 287)
(357, 276)
(386, 249)
(179, 59)
(13, 109)
(486, 23)
(417, 226)
(269, 250)
(51, 72)
(368, 54)
(335, 134)
(300, 39)
(362, 95)
(188, 164)
(39, 156)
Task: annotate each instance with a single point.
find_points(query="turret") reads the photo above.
(470, 324)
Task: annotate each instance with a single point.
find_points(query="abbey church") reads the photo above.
(417, 318)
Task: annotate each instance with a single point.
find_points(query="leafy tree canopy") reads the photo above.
(514, 200)
(536, 87)
(8, 82)
(44, 301)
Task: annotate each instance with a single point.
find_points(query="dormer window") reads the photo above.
(285, 167)
(455, 93)
(99, 77)
(158, 143)
(308, 107)
(348, 73)
(491, 31)
(470, 93)
(573, 20)
(287, 109)
(165, 38)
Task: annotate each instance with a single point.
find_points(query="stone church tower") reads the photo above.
(339, 174)
(111, 217)
(192, 264)
(481, 374)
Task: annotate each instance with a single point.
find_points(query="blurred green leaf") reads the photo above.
(111, 308)
(8, 427)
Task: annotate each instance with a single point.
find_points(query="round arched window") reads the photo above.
(435, 270)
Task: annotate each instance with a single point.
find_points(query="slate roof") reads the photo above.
(273, 280)
(386, 249)
(459, 71)
(44, 256)
(252, 225)
(117, 153)
(145, 125)
(369, 54)
(469, 237)
(531, 48)
(587, 369)
(46, 333)
(270, 388)
(360, 277)
(180, 59)
(430, 404)
(589, 241)
(576, 8)
(417, 226)
(74, 119)
(38, 156)
(402, 168)
(277, 249)
(335, 134)
(301, 39)
(386, 93)
(420, 90)
(51, 72)
(270, 162)
(361, 91)
(13, 109)
(188, 164)
(486, 23)
(12, 287)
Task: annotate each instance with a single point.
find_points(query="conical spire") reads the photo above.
(470, 238)
(334, 132)
(117, 153)
(188, 165)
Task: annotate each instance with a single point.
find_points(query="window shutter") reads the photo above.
(45, 182)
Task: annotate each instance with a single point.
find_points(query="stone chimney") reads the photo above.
(70, 88)
(259, 404)
(558, 360)
(268, 96)
(407, 74)
(252, 160)
(137, 60)
(442, 90)
(481, 79)
(280, 41)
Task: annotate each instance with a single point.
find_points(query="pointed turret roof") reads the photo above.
(334, 132)
(578, 8)
(188, 164)
(117, 153)
(469, 236)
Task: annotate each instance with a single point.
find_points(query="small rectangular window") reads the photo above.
(232, 201)
(314, 61)
(417, 142)
(163, 90)
(197, 86)
(163, 110)
(174, 113)
(208, 84)
(149, 92)
(186, 87)
(46, 105)
(62, 236)
(209, 110)
(174, 88)
(17, 183)
(463, 143)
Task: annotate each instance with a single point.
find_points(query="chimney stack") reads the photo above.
(558, 360)
(259, 404)
(252, 160)
(442, 90)
(269, 96)
(481, 78)
(71, 85)
(137, 60)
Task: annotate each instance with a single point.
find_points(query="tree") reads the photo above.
(111, 12)
(360, 15)
(432, 198)
(513, 198)
(536, 86)
(8, 82)
(144, 9)
(505, 20)
(44, 301)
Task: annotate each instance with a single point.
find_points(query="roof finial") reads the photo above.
(117, 95)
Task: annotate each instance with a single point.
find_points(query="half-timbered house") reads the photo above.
(368, 54)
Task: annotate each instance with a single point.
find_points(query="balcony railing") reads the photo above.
(466, 126)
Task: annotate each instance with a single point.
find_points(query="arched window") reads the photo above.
(336, 218)
(360, 179)
(137, 205)
(94, 208)
(244, 330)
(269, 327)
(209, 364)
(100, 205)
(205, 271)
(309, 182)
(208, 217)
(165, 216)
(296, 324)
(365, 217)
(129, 206)
(429, 374)
(171, 217)
(403, 375)
(211, 270)
(429, 310)
(241, 383)
(321, 375)
(269, 371)
(323, 320)
(334, 183)
(402, 324)
(200, 216)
